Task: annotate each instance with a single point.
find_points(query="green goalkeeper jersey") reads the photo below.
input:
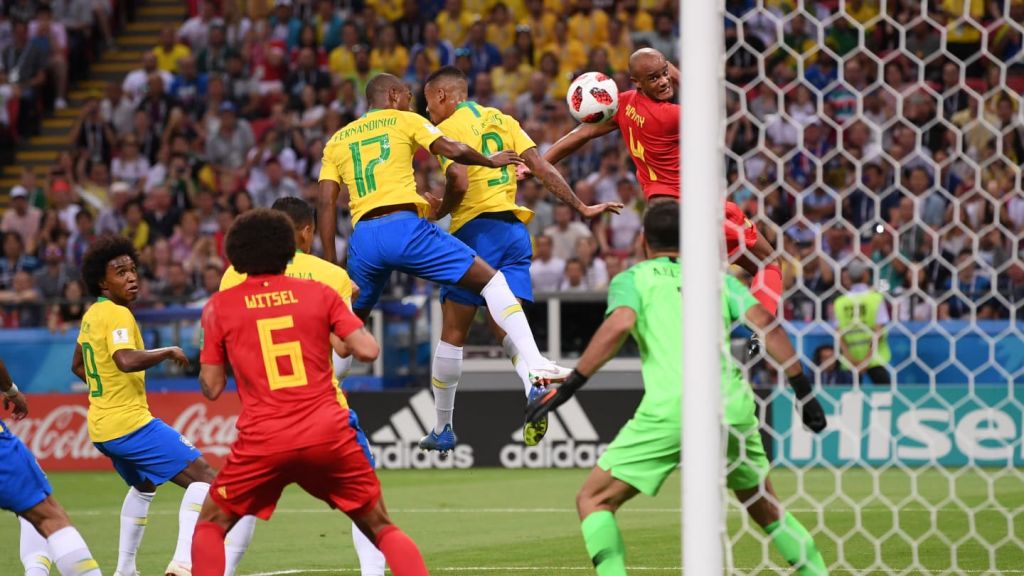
(651, 289)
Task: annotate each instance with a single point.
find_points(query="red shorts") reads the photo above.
(336, 472)
(738, 228)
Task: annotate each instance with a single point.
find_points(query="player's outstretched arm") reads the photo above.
(602, 347)
(139, 360)
(463, 154)
(579, 136)
(14, 400)
(326, 217)
(777, 343)
(212, 379)
(557, 185)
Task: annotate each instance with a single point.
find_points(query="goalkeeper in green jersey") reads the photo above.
(644, 302)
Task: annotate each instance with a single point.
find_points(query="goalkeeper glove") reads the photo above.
(554, 397)
(811, 412)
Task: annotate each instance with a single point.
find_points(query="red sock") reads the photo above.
(401, 553)
(208, 550)
(767, 287)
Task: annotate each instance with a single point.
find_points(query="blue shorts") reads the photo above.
(353, 422)
(22, 482)
(502, 241)
(155, 453)
(405, 242)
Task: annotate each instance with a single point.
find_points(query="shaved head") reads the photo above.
(449, 79)
(649, 70)
(444, 90)
(379, 88)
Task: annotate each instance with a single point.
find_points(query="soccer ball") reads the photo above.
(593, 98)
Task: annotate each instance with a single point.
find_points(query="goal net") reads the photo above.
(877, 144)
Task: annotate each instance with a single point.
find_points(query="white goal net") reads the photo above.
(878, 146)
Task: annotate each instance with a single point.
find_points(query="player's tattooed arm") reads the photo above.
(212, 380)
(463, 154)
(455, 186)
(326, 216)
(556, 184)
(139, 360)
(579, 136)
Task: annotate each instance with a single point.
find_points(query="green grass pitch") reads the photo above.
(522, 522)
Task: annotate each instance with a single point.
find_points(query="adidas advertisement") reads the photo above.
(489, 426)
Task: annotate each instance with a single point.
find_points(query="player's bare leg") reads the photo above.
(196, 479)
(508, 313)
(597, 501)
(68, 549)
(789, 536)
(402, 555)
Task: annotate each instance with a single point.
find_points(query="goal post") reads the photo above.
(701, 261)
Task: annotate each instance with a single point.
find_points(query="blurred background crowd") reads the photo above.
(884, 142)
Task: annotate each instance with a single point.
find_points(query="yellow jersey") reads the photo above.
(168, 61)
(307, 267)
(373, 157)
(117, 400)
(487, 130)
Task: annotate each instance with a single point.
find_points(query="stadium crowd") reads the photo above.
(862, 146)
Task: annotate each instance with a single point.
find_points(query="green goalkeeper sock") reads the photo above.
(604, 543)
(797, 546)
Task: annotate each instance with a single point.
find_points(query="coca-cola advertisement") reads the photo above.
(56, 430)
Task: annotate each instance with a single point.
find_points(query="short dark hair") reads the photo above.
(300, 211)
(104, 249)
(261, 241)
(378, 86)
(448, 72)
(661, 226)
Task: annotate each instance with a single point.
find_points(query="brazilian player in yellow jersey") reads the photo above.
(111, 359)
(305, 265)
(372, 157)
(485, 216)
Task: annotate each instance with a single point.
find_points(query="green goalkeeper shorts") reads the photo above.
(643, 455)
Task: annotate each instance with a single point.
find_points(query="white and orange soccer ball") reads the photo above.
(593, 98)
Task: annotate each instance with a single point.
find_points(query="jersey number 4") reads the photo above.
(272, 352)
(366, 181)
(637, 150)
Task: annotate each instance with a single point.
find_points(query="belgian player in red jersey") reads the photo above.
(648, 119)
(275, 332)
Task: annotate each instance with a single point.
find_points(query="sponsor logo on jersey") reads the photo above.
(395, 445)
(571, 442)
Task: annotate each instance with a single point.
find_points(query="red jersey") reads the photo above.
(651, 130)
(275, 332)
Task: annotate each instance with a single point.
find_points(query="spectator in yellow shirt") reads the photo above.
(454, 22)
(863, 11)
(571, 52)
(633, 18)
(588, 25)
(341, 61)
(619, 45)
(541, 23)
(501, 29)
(511, 77)
(558, 80)
(389, 10)
(389, 56)
(169, 51)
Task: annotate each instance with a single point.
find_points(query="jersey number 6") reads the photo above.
(271, 352)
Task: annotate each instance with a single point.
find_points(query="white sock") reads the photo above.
(508, 314)
(444, 379)
(71, 554)
(342, 366)
(371, 560)
(237, 542)
(134, 517)
(513, 354)
(35, 555)
(188, 514)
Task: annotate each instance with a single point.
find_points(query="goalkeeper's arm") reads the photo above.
(602, 347)
(777, 343)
